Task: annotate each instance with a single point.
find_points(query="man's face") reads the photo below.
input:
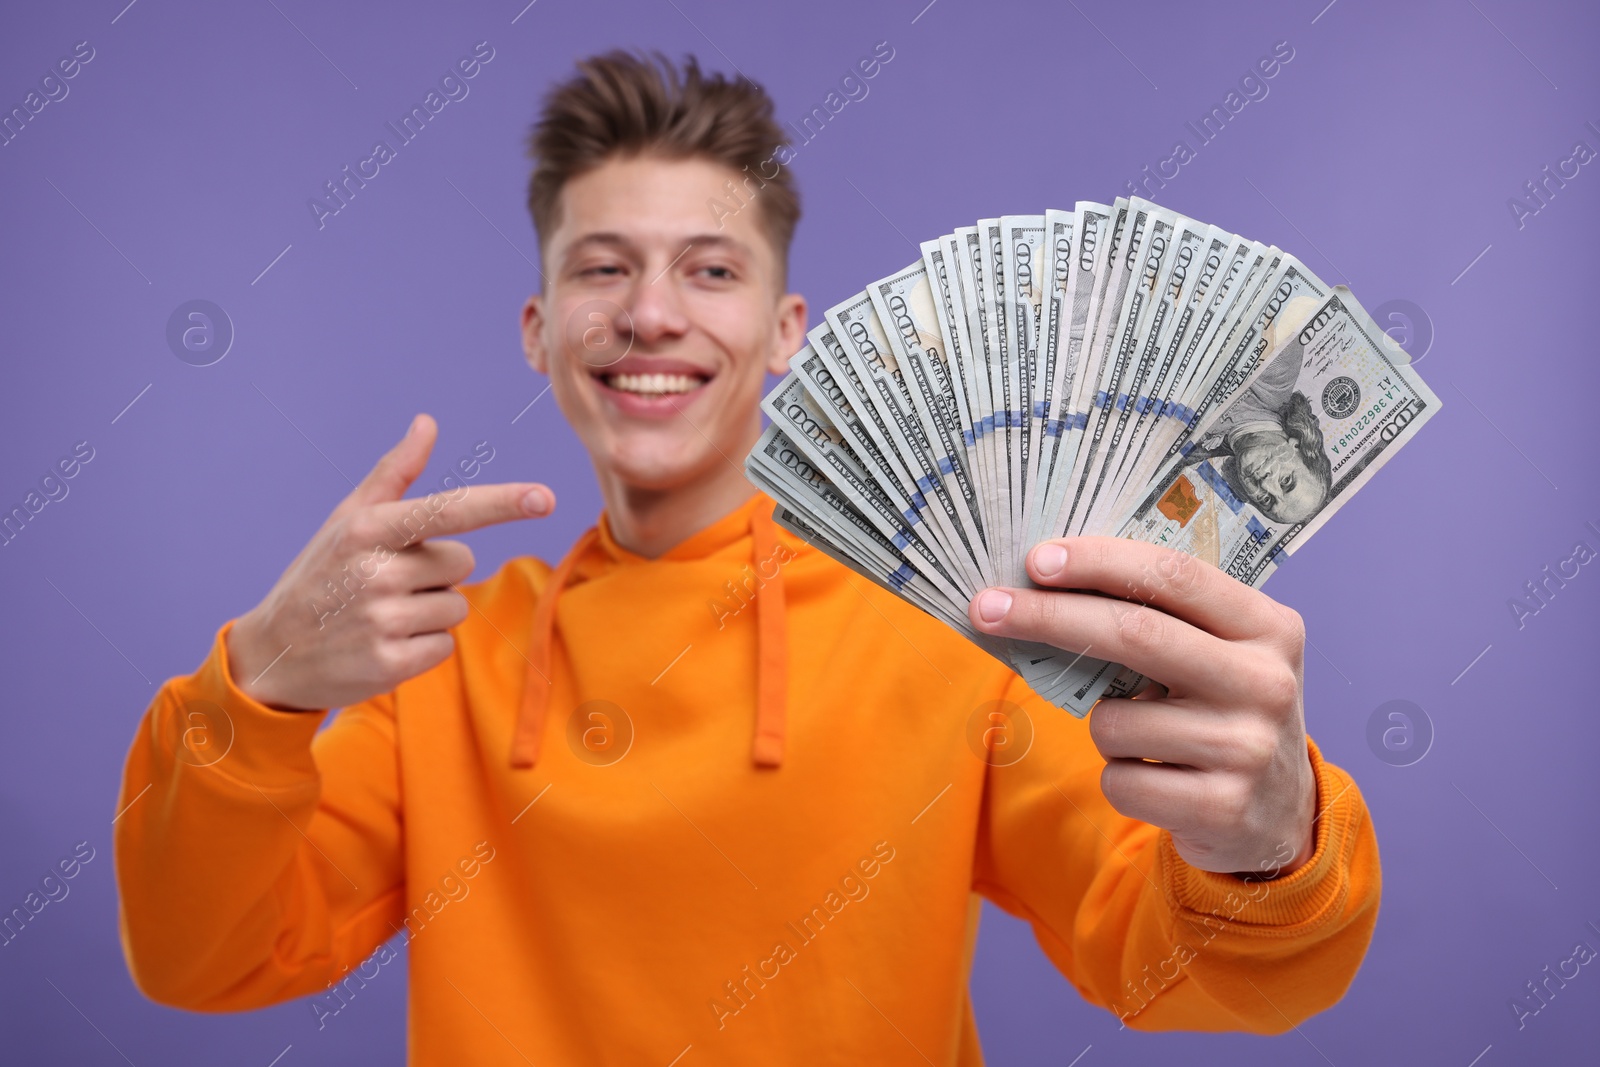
(1276, 479)
(657, 326)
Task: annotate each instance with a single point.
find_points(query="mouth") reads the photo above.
(653, 385)
(650, 386)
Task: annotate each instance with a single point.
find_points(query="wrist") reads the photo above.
(249, 663)
(1293, 849)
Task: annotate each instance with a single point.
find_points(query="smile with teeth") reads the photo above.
(653, 384)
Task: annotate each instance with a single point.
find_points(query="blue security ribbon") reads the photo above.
(1219, 485)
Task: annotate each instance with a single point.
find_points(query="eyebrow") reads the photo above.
(699, 240)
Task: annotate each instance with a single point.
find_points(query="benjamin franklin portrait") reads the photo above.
(1270, 445)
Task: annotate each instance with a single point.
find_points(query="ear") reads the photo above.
(790, 334)
(533, 346)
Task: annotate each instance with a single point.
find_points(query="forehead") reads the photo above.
(660, 203)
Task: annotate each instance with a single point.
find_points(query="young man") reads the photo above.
(698, 791)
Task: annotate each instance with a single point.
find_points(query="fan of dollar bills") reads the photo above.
(1117, 370)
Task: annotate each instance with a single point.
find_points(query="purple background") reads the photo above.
(1384, 156)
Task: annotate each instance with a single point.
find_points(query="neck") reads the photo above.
(651, 521)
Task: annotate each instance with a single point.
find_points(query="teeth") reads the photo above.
(648, 384)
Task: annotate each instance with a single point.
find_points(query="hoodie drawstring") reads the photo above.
(529, 735)
(772, 668)
(772, 644)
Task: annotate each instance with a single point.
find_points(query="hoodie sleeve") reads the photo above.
(257, 859)
(1162, 944)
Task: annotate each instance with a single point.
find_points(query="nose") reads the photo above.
(655, 308)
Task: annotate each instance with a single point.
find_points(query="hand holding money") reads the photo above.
(1232, 783)
(1111, 370)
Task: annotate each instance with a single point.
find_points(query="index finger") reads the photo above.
(1173, 581)
(397, 468)
(442, 515)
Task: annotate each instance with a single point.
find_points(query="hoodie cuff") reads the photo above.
(1277, 906)
(206, 721)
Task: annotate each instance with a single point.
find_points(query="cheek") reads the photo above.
(741, 334)
(1303, 503)
(559, 338)
(1308, 488)
(736, 329)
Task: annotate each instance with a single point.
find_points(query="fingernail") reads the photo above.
(536, 502)
(1049, 559)
(993, 605)
(416, 420)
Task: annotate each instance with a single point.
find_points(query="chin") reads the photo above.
(647, 462)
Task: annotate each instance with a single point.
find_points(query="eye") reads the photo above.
(607, 270)
(1287, 482)
(718, 271)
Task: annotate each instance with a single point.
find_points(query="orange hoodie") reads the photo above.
(645, 861)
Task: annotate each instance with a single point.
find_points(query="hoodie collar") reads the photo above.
(597, 551)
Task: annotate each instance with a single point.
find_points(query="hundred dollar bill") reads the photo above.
(1073, 304)
(1170, 269)
(1060, 233)
(1114, 369)
(1191, 283)
(1022, 262)
(802, 420)
(1289, 294)
(976, 291)
(779, 468)
(1106, 346)
(1225, 306)
(893, 574)
(821, 538)
(989, 273)
(905, 305)
(836, 381)
(1104, 294)
(1070, 682)
(1323, 411)
(836, 390)
(912, 430)
(1261, 268)
(940, 257)
(1138, 323)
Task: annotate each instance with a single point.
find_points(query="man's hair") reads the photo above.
(621, 105)
(1300, 425)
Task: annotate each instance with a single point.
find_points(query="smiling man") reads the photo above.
(615, 827)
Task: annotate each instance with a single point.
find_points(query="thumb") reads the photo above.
(393, 474)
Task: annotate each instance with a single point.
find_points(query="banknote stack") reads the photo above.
(1114, 369)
